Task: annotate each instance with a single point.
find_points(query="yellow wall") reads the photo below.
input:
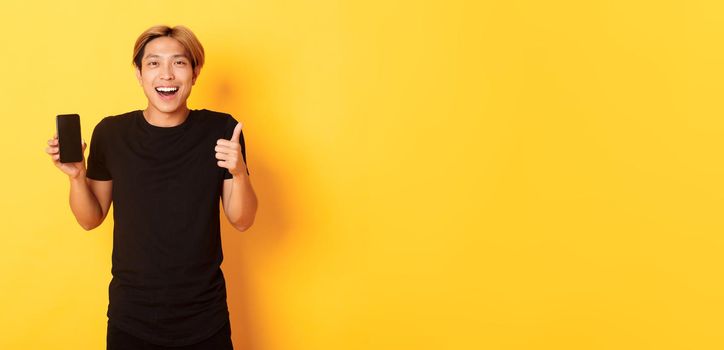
(431, 175)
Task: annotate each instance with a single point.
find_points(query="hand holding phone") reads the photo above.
(68, 129)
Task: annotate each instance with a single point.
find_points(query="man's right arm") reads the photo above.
(90, 200)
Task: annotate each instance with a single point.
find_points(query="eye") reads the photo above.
(152, 63)
(181, 63)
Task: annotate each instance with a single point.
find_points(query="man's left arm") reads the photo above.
(238, 197)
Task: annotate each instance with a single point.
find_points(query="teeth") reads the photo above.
(166, 89)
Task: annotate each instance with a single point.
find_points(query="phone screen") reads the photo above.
(69, 140)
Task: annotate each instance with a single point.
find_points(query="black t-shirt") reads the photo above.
(167, 285)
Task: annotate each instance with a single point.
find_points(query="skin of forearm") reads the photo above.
(84, 204)
(242, 202)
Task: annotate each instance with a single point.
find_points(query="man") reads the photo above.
(164, 168)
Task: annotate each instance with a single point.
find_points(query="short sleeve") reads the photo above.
(96, 164)
(228, 132)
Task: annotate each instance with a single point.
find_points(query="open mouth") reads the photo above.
(167, 90)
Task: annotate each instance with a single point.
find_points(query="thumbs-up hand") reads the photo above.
(228, 153)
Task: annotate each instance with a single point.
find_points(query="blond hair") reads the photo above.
(184, 35)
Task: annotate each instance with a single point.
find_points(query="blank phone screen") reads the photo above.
(69, 141)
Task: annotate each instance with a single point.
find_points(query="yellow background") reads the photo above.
(431, 175)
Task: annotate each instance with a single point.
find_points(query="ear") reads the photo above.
(138, 76)
(197, 71)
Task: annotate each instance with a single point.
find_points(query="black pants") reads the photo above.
(117, 339)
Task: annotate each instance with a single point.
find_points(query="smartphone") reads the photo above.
(69, 141)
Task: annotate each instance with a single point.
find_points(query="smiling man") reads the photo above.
(165, 168)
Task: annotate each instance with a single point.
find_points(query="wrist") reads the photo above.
(241, 176)
(80, 177)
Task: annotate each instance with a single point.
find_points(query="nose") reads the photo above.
(167, 72)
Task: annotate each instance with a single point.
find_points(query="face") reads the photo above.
(166, 74)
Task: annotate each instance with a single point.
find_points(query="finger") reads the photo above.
(51, 150)
(227, 143)
(237, 132)
(227, 149)
(226, 155)
(56, 156)
(222, 164)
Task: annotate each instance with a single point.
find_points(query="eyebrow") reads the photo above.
(158, 56)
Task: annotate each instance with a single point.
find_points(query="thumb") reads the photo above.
(237, 132)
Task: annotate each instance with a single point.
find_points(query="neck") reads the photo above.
(165, 119)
